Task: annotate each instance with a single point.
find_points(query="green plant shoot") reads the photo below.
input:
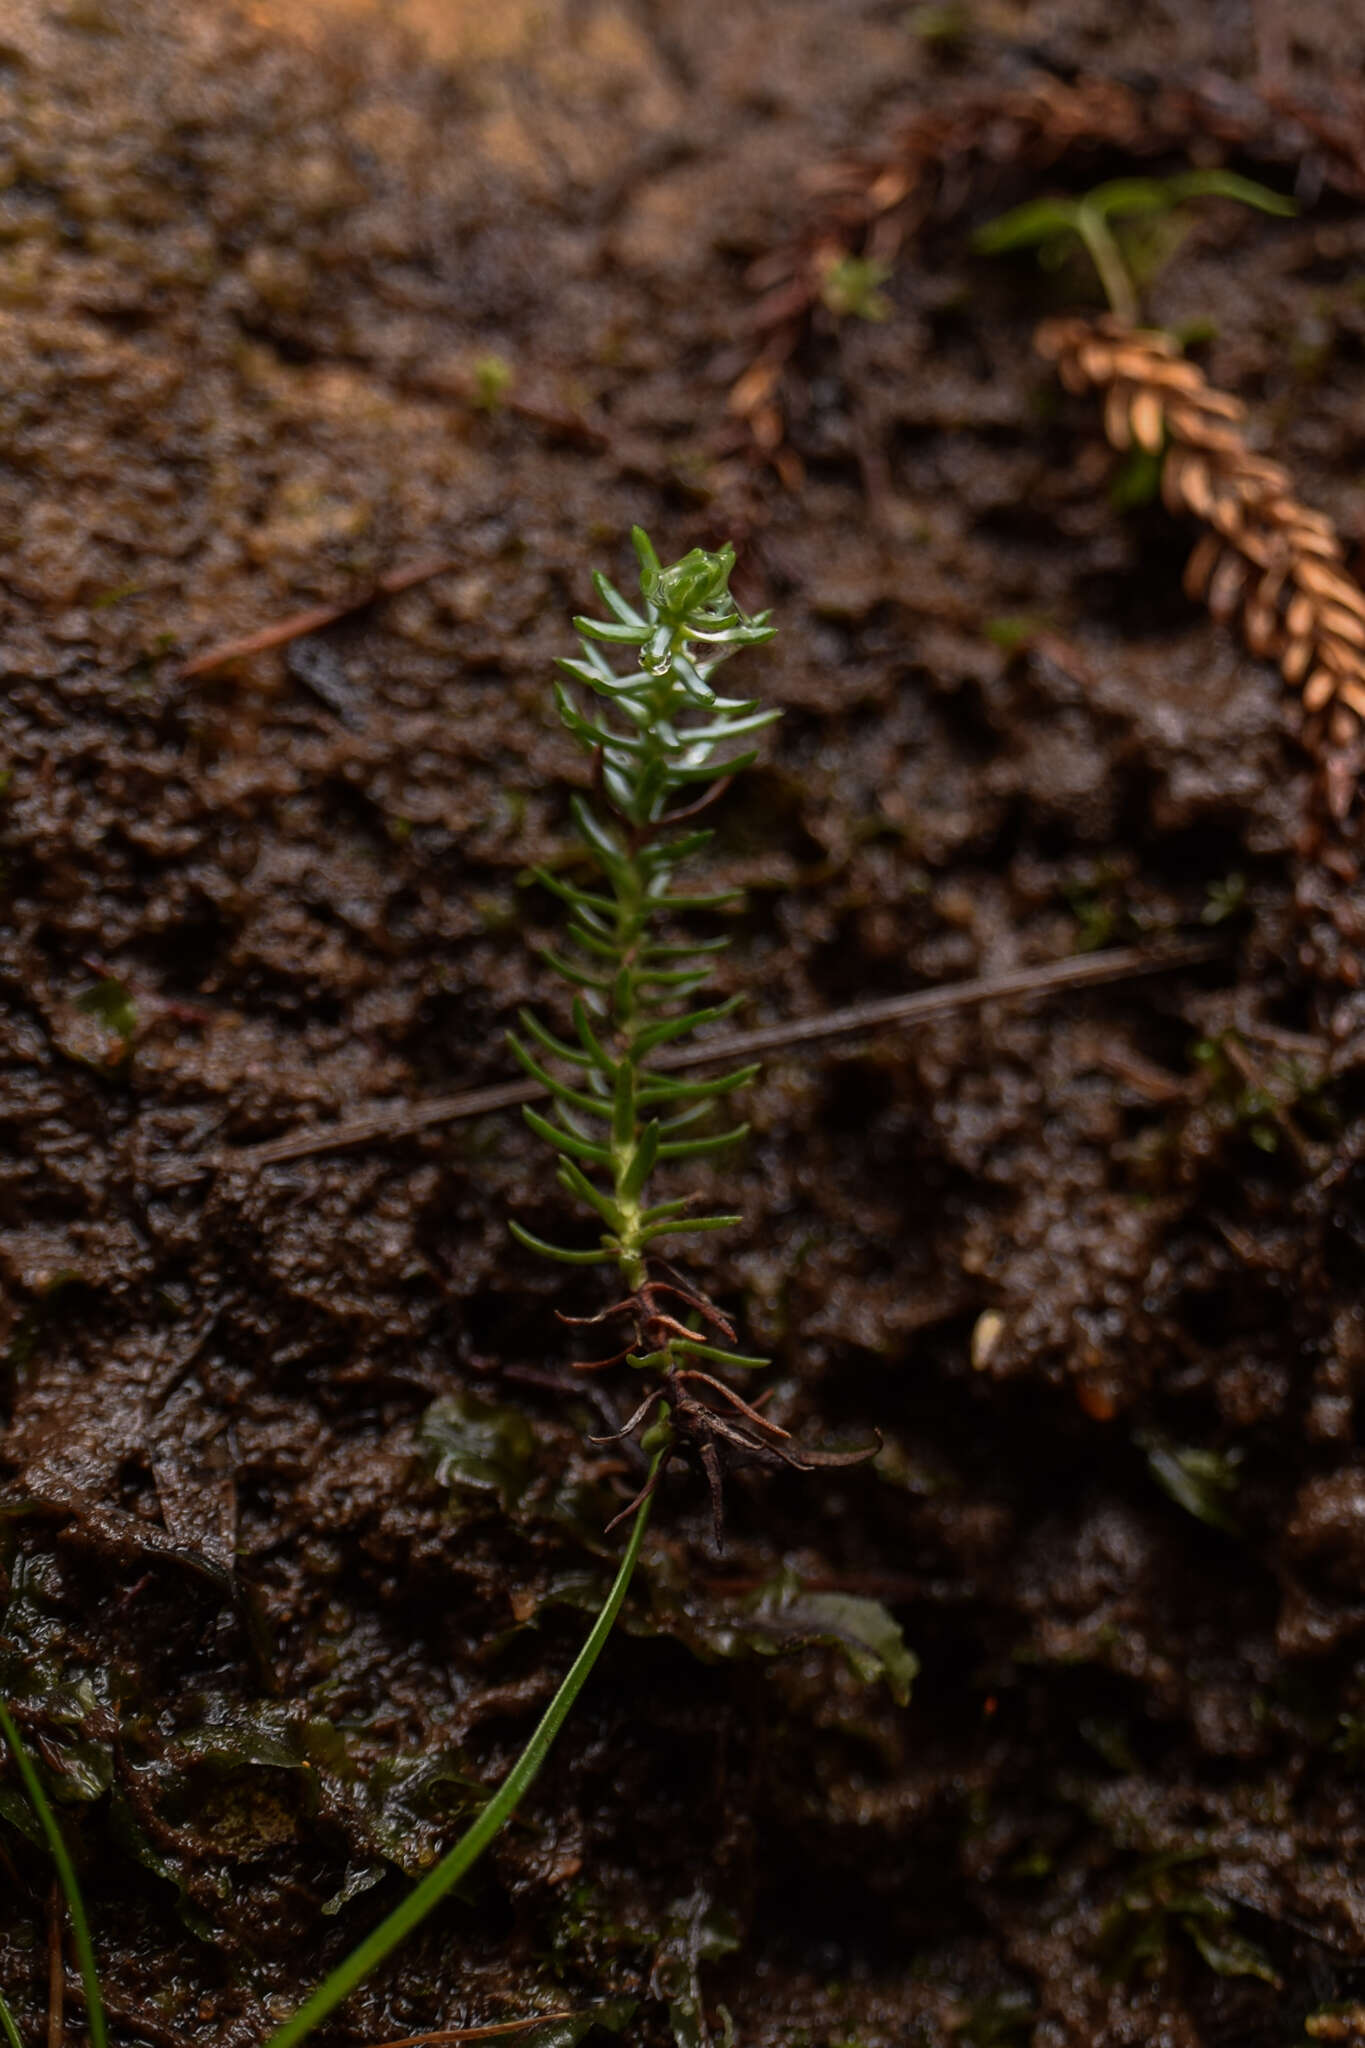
(663, 739)
(1053, 226)
(665, 743)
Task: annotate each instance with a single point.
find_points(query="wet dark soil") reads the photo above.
(301, 1520)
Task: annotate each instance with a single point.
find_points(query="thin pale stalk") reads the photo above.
(446, 2037)
(1095, 231)
(393, 1121)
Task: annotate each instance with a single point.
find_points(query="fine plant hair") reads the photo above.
(665, 744)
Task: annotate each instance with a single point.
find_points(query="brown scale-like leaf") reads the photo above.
(1265, 561)
(1302, 609)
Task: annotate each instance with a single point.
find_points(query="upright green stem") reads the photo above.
(629, 889)
(1095, 231)
(66, 1878)
(659, 735)
(433, 1888)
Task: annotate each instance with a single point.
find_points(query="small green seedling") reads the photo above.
(1055, 227)
(664, 743)
(493, 379)
(659, 738)
(851, 288)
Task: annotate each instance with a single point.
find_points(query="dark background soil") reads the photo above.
(267, 1646)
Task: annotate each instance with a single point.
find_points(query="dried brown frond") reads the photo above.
(1266, 560)
(1266, 563)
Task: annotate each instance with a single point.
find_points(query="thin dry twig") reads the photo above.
(316, 617)
(500, 2029)
(402, 1120)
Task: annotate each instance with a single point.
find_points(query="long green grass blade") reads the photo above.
(719, 1357)
(13, 2038)
(679, 1027)
(66, 1878)
(579, 976)
(593, 942)
(661, 1088)
(716, 899)
(615, 603)
(569, 892)
(616, 635)
(591, 1043)
(410, 1913)
(693, 949)
(715, 771)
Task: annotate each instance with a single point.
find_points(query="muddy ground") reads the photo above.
(301, 1519)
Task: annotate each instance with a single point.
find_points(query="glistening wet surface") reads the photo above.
(302, 1520)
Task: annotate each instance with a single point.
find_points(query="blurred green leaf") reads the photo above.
(1226, 1951)
(1228, 185)
(1201, 1482)
(110, 1002)
(473, 1443)
(1026, 226)
(1136, 481)
(1009, 631)
(784, 1616)
(612, 2016)
(851, 288)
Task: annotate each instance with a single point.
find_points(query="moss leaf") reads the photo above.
(476, 1445)
(867, 1633)
(612, 2016)
(1202, 1482)
(1228, 1953)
